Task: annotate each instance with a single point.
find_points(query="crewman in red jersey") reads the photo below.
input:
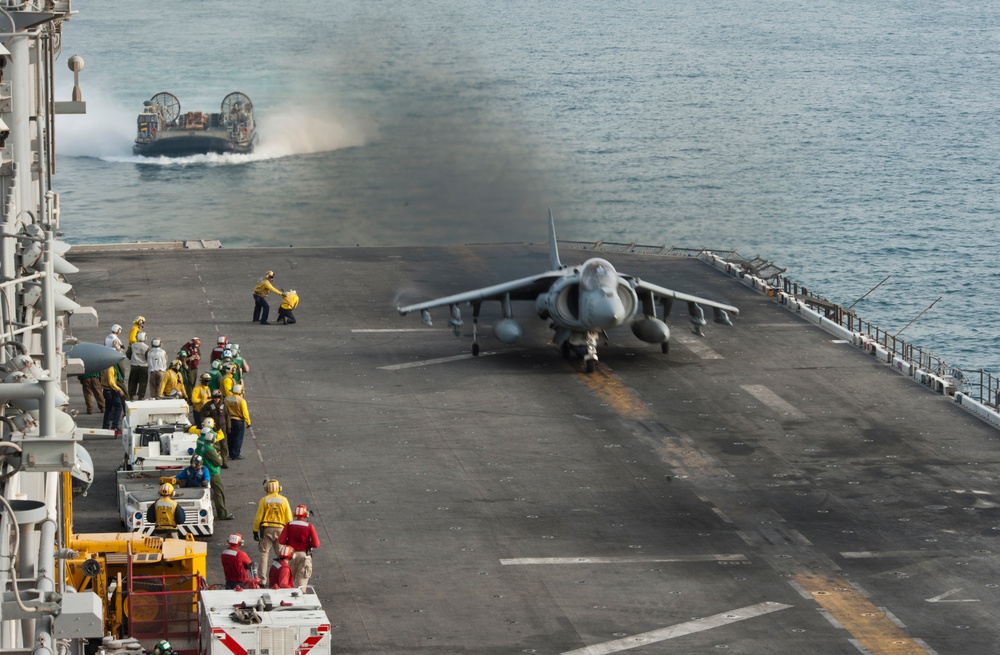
(301, 536)
(236, 564)
(279, 576)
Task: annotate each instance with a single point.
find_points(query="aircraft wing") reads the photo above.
(527, 288)
(663, 292)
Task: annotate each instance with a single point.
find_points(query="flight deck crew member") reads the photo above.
(200, 395)
(113, 340)
(213, 462)
(289, 301)
(260, 306)
(219, 348)
(113, 388)
(195, 475)
(190, 362)
(215, 410)
(91, 383)
(236, 564)
(166, 513)
(273, 513)
(138, 370)
(302, 537)
(279, 576)
(173, 382)
(156, 357)
(133, 334)
(239, 420)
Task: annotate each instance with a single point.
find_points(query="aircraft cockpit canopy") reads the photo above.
(598, 274)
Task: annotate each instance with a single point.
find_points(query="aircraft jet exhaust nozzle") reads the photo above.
(507, 331)
(651, 330)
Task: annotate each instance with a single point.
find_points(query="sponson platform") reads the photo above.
(762, 489)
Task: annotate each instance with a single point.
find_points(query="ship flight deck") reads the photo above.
(765, 488)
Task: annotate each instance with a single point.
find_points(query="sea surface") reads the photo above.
(843, 140)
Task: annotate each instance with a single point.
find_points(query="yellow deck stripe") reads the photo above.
(620, 398)
(866, 623)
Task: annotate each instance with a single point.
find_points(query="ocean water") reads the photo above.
(844, 140)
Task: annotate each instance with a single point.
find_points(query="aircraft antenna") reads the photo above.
(553, 245)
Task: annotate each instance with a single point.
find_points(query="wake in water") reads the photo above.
(107, 132)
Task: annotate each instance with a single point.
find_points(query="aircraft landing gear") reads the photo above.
(475, 329)
(665, 347)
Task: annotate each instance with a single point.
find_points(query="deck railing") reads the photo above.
(982, 386)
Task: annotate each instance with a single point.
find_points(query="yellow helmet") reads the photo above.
(166, 489)
(208, 422)
(273, 487)
(269, 275)
(139, 319)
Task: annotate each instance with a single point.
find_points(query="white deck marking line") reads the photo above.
(379, 330)
(526, 561)
(941, 598)
(876, 554)
(698, 348)
(681, 629)
(439, 360)
(773, 400)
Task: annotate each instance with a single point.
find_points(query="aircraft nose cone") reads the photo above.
(602, 310)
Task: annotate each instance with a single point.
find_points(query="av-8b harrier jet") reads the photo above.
(582, 302)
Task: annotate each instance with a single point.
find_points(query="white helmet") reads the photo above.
(141, 336)
(156, 342)
(237, 389)
(115, 329)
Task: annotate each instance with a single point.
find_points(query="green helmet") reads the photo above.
(163, 647)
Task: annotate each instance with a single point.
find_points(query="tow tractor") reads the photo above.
(263, 621)
(157, 446)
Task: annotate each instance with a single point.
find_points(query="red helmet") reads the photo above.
(285, 552)
(222, 339)
(235, 539)
(301, 511)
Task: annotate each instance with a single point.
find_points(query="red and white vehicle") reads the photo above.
(257, 621)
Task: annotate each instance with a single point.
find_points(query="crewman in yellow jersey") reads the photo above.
(239, 420)
(260, 307)
(289, 301)
(273, 513)
(173, 382)
(137, 324)
(165, 512)
(113, 389)
(200, 395)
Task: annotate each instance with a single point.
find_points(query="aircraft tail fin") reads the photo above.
(553, 245)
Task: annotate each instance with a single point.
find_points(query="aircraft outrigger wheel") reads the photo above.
(234, 103)
(170, 106)
(475, 350)
(591, 365)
